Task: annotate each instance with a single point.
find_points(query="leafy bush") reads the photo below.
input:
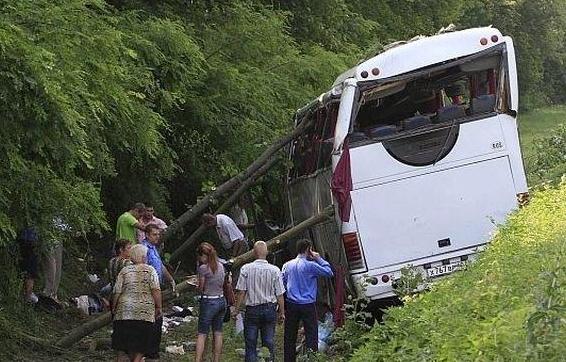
(346, 339)
(508, 305)
(550, 154)
(409, 283)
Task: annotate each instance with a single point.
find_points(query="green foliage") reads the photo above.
(81, 90)
(332, 24)
(538, 28)
(353, 334)
(550, 154)
(533, 126)
(409, 283)
(509, 304)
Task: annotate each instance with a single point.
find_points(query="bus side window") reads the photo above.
(312, 150)
(304, 154)
(327, 137)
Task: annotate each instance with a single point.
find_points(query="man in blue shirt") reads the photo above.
(300, 280)
(153, 234)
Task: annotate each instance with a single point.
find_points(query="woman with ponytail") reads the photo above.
(212, 306)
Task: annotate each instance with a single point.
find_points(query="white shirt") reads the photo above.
(227, 231)
(262, 282)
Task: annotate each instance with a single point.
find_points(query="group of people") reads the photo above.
(137, 275)
(267, 294)
(264, 293)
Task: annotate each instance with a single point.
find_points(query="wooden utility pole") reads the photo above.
(201, 206)
(242, 182)
(224, 207)
(280, 240)
(274, 244)
(104, 319)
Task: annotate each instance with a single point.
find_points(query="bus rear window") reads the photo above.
(440, 98)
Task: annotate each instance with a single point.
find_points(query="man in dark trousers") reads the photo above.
(300, 280)
(261, 287)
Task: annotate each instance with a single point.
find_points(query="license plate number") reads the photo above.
(442, 269)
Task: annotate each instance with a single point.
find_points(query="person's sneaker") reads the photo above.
(32, 298)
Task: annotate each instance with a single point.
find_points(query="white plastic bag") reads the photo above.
(175, 350)
(239, 323)
(325, 329)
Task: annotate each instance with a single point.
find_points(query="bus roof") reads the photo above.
(422, 53)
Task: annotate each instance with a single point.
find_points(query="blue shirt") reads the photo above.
(154, 259)
(300, 275)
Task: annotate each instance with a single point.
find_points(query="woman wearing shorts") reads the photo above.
(212, 306)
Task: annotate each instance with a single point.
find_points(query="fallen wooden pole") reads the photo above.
(279, 241)
(232, 183)
(224, 207)
(274, 244)
(104, 319)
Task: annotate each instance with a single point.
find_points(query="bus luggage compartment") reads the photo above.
(431, 214)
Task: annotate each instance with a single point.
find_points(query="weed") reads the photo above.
(409, 283)
(550, 155)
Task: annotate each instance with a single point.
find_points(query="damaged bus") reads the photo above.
(429, 128)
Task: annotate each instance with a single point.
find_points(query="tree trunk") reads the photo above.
(225, 206)
(84, 330)
(280, 240)
(104, 319)
(202, 204)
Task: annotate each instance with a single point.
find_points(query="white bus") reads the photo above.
(436, 164)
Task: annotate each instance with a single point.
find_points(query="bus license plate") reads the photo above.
(442, 269)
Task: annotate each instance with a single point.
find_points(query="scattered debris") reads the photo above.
(179, 316)
(48, 304)
(325, 329)
(93, 278)
(173, 349)
(180, 312)
(88, 304)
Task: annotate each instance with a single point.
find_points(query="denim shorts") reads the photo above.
(211, 314)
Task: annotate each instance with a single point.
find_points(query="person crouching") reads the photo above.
(136, 304)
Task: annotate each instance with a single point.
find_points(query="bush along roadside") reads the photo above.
(550, 155)
(509, 305)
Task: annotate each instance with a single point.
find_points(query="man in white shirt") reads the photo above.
(232, 239)
(261, 286)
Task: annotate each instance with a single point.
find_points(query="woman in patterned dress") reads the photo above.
(135, 305)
